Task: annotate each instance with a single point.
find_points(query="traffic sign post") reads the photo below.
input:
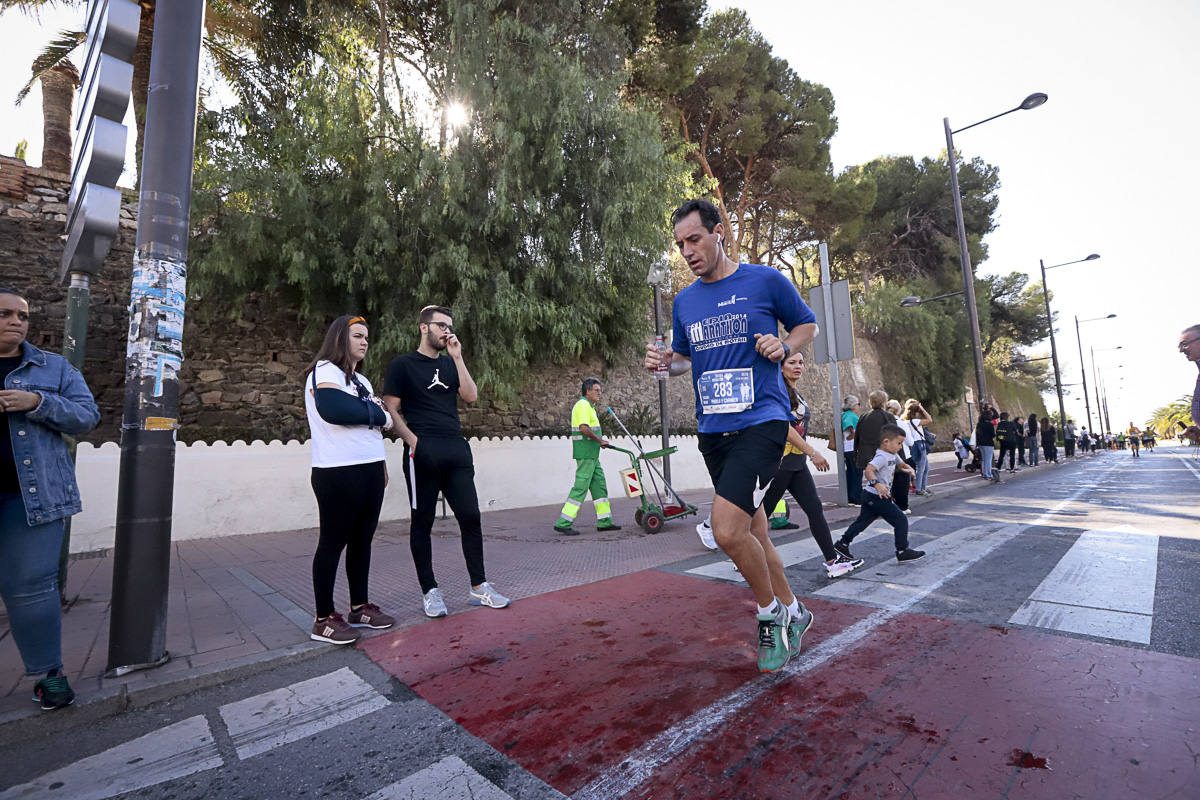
(145, 487)
(834, 342)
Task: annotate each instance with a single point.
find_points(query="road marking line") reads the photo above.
(646, 760)
(175, 751)
(448, 779)
(1103, 586)
(1184, 459)
(266, 721)
(792, 553)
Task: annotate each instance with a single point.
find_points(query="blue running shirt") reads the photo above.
(714, 325)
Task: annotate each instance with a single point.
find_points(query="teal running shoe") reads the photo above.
(797, 628)
(773, 651)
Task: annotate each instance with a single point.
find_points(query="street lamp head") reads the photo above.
(1092, 257)
(1111, 316)
(909, 302)
(1033, 101)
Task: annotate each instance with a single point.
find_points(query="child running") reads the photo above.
(877, 499)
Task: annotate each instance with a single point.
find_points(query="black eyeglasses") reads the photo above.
(446, 326)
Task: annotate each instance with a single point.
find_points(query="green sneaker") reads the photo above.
(797, 627)
(773, 651)
(611, 526)
(53, 692)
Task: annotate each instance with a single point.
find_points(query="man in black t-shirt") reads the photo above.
(425, 386)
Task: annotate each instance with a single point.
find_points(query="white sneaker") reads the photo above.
(907, 512)
(841, 566)
(704, 531)
(485, 595)
(435, 606)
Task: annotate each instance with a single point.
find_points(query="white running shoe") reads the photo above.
(435, 606)
(485, 595)
(842, 566)
(704, 531)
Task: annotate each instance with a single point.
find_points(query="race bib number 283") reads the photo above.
(726, 391)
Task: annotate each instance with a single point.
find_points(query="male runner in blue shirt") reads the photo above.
(726, 327)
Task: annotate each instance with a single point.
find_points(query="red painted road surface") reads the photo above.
(570, 683)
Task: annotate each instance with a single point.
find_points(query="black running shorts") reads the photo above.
(742, 463)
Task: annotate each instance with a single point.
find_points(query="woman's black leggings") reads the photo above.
(348, 499)
(800, 485)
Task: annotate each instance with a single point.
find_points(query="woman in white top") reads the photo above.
(916, 417)
(349, 473)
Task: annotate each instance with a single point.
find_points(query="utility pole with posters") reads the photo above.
(154, 351)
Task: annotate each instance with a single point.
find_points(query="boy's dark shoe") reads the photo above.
(908, 554)
(53, 692)
(843, 549)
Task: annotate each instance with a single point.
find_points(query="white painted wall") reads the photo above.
(225, 489)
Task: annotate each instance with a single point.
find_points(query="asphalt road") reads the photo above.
(1047, 647)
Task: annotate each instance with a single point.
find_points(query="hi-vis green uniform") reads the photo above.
(589, 475)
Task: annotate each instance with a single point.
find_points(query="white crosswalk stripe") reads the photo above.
(891, 582)
(1103, 586)
(266, 721)
(793, 553)
(448, 779)
(175, 751)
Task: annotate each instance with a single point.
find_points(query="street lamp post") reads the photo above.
(1096, 377)
(968, 273)
(1062, 411)
(1083, 367)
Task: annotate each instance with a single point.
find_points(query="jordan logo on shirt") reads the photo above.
(437, 381)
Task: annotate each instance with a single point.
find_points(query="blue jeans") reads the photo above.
(873, 508)
(29, 585)
(987, 452)
(854, 477)
(920, 458)
(1032, 443)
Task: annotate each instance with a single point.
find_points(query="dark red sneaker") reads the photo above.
(333, 629)
(369, 616)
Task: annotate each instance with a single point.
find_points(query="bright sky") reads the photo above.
(1108, 165)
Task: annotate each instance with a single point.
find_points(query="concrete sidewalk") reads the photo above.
(239, 604)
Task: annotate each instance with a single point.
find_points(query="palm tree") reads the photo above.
(58, 93)
(231, 26)
(1166, 419)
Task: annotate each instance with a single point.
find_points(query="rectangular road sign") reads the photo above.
(842, 325)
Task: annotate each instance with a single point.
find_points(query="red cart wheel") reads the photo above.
(652, 522)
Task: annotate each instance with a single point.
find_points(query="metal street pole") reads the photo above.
(142, 555)
(74, 350)
(663, 416)
(834, 378)
(1062, 411)
(1083, 369)
(1096, 381)
(968, 273)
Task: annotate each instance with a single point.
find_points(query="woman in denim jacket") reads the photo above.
(41, 397)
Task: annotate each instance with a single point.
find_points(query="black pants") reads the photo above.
(443, 465)
(348, 502)
(1021, 450)
(873, 508)
(900, 486)
(1050, 450)
(1011, 449)
(1070, 447)
(804, 490)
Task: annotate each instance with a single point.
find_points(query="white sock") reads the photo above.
(771, 609)
(794, 608)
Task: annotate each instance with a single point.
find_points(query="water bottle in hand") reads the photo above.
(663, 370)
